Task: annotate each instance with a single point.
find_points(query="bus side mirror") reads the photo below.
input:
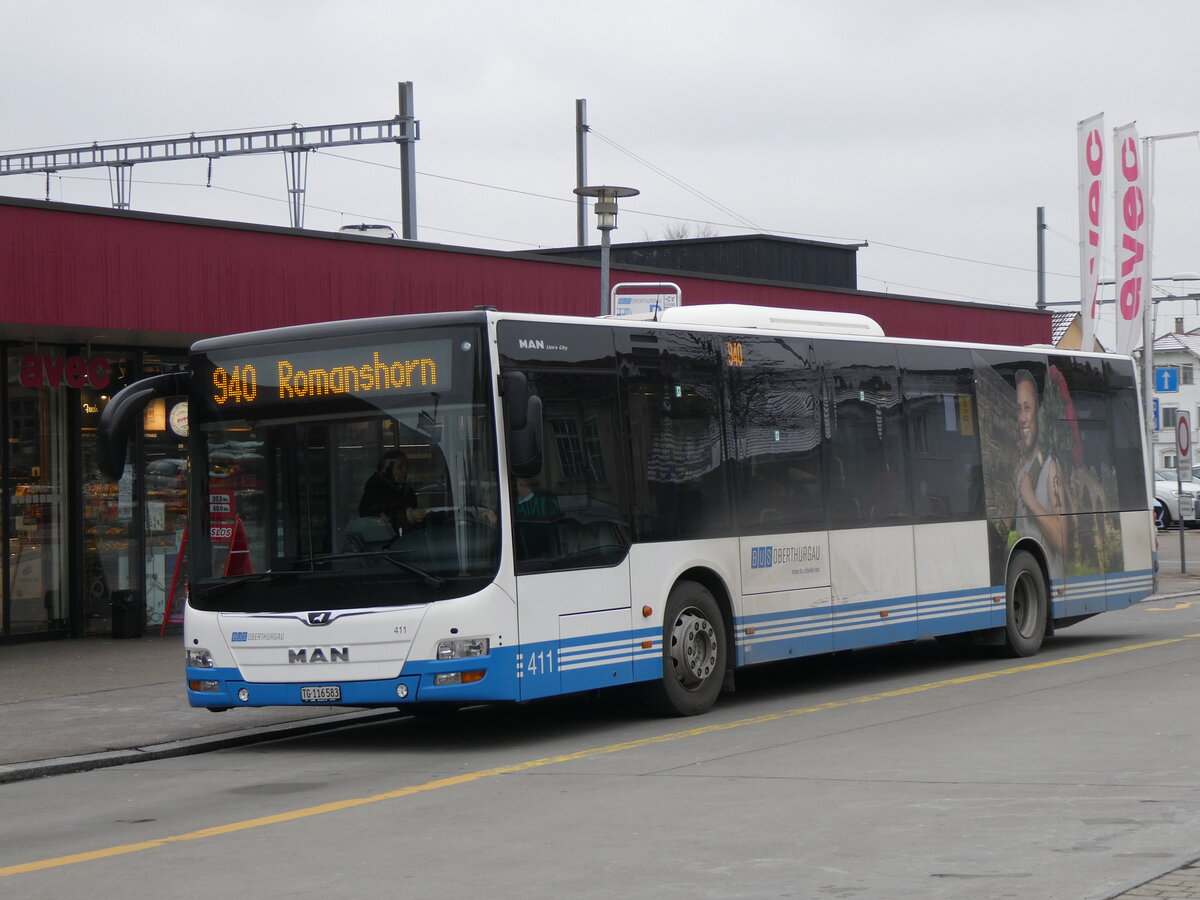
(523, 420)
(123, 413)
(525, 444)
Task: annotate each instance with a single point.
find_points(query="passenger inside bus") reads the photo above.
(536, 525)
(532, 505)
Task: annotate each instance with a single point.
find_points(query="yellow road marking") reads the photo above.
(1184, 605)
(454, 781)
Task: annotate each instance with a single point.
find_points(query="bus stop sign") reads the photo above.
(1183, 463)
(1183, 441)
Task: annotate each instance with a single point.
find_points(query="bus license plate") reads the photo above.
(321, 694)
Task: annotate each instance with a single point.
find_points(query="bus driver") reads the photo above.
(388, 493)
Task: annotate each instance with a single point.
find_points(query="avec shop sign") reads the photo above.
(72, 371)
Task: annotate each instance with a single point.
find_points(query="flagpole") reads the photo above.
(1148, 322)
(1148, 143)
(1091, 152)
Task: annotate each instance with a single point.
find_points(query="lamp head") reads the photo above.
(606, 202)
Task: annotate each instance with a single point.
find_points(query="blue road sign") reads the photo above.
(1166, 380)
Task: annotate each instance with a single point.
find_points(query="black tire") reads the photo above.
(695, 653)
(1025, 605)
(1167, 521)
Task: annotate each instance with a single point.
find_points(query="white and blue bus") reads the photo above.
(576, 504)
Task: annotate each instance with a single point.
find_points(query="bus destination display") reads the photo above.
(357, 371)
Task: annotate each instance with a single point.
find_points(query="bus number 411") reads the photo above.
(540, 663)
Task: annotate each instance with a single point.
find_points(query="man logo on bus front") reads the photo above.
(320, 618)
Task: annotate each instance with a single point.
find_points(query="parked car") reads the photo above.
(1169, 498)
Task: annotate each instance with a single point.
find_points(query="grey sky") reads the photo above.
(938, 127)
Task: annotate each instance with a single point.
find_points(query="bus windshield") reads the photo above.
(351, 472)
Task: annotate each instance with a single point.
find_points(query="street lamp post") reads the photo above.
(1148, 144)
(606, 220)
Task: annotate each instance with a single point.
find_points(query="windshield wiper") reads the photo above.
(430, 580)
(215, 587)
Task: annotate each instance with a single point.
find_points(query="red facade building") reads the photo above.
(91, 299)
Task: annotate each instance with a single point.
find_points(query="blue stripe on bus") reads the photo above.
(799, 632)
(1089, 594)
(585, 663)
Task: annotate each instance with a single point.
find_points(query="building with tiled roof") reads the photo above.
(1066, 332)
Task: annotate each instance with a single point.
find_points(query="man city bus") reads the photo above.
(561, 504)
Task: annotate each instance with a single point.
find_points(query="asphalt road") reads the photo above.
(913, 771)
(1169, 551)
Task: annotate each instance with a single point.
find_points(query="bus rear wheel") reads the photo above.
(1025, 607)
(695, 653)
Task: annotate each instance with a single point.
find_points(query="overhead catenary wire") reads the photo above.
(779, 231)
(675, 181)
(628, 210)
(338, 212)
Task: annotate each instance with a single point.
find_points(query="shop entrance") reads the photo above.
(36, 482)
(75, 541)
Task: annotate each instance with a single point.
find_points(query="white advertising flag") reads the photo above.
(1091, 222)
(1132, 236)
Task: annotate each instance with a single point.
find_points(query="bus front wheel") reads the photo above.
(1025, 605)
(694, 653)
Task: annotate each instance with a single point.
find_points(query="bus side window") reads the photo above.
(840, 489)
(867, 435)
(583, 487)
(672, 390)
(944, 463)
(775, 413)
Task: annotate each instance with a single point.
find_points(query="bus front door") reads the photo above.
(574, 622)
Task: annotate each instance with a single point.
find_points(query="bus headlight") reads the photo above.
(462, 648)
(199, 658)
